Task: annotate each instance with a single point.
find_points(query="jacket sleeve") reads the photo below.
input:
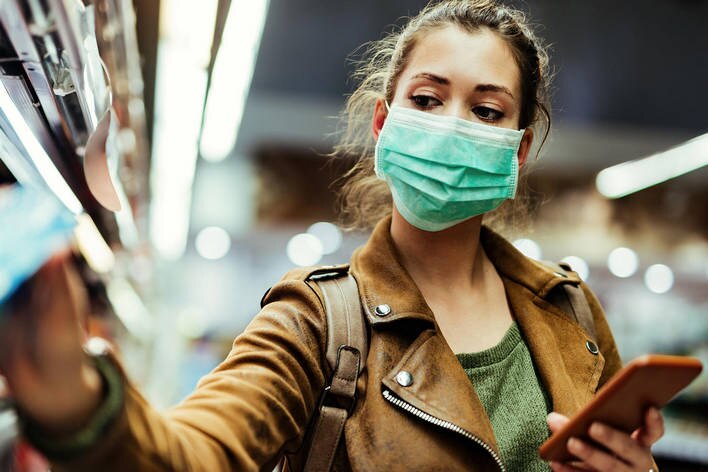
(243, 415)
(605, 340)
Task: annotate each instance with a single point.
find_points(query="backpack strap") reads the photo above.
(347, 349)
(571, 298)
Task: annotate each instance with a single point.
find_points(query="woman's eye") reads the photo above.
(425, 101)
(488, 114)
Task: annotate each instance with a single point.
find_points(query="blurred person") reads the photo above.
(467, 358)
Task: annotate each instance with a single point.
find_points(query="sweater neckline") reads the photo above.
(495, 354)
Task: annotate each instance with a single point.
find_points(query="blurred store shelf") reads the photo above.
(65, 66)
(72, 121)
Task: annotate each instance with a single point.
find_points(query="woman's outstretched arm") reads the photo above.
(242, 416)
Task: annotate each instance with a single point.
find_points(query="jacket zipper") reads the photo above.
(443, 424)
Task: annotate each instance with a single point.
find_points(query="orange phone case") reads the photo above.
(649, 380)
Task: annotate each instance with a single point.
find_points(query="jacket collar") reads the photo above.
(383, 280)
(512, 265)
(569, 372)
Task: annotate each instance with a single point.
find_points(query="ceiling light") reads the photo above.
(231, 78)
(92, 245)
(33, 148)
(186, 30)
(629, 177)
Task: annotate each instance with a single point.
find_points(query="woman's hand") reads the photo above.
(628, 452)
(48, 374)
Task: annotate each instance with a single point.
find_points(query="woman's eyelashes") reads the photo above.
(484, 113)
(425, 102)
(488, 114)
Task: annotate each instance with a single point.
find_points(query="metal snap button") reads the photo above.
(382, 310)
(592, 347)
(404, 378)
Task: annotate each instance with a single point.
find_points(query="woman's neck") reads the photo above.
(445, 260)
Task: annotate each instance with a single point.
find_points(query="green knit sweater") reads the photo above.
(516, 403)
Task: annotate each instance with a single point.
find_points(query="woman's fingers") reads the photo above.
(569, 467)
(42, 357)
(596, 458)
(621, 444)
(612, 449)
(556, 421)
(652, 430)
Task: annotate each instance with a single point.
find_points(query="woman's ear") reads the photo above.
(379, 117)
(525, 146)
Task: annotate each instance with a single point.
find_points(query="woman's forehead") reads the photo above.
(465, 58)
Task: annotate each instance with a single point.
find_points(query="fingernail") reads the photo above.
(596, 429)
(574, 444)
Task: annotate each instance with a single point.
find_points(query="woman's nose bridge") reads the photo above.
(458, 109)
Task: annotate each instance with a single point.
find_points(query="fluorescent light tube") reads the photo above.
(231, 78)
(55, 181)
(633, 176)
(92, 245)
(186, 31)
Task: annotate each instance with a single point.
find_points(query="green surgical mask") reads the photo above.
(443, 170)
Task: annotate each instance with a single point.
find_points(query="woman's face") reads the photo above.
(468, 75)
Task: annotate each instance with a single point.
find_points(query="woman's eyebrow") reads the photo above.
(479, 88)
(432, 77)
(493, 88)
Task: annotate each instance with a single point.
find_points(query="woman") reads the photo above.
(455, 314)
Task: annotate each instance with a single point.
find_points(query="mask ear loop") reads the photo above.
(376, 152)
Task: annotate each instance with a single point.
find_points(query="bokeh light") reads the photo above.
(659, 278)
(529, 248)
(213, 243)
(329, 235)
(191, 323)
(623, 262)
(579, 265)
(304, 249)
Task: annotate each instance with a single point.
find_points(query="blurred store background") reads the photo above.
(221, 193)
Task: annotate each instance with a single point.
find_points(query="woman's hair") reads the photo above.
(364, 199)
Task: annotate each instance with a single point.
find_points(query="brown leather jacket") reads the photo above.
(257, 404)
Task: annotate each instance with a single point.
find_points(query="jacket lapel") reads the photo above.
(440, 387)
(569, 371)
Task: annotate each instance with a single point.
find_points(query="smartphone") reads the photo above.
(649, 380)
